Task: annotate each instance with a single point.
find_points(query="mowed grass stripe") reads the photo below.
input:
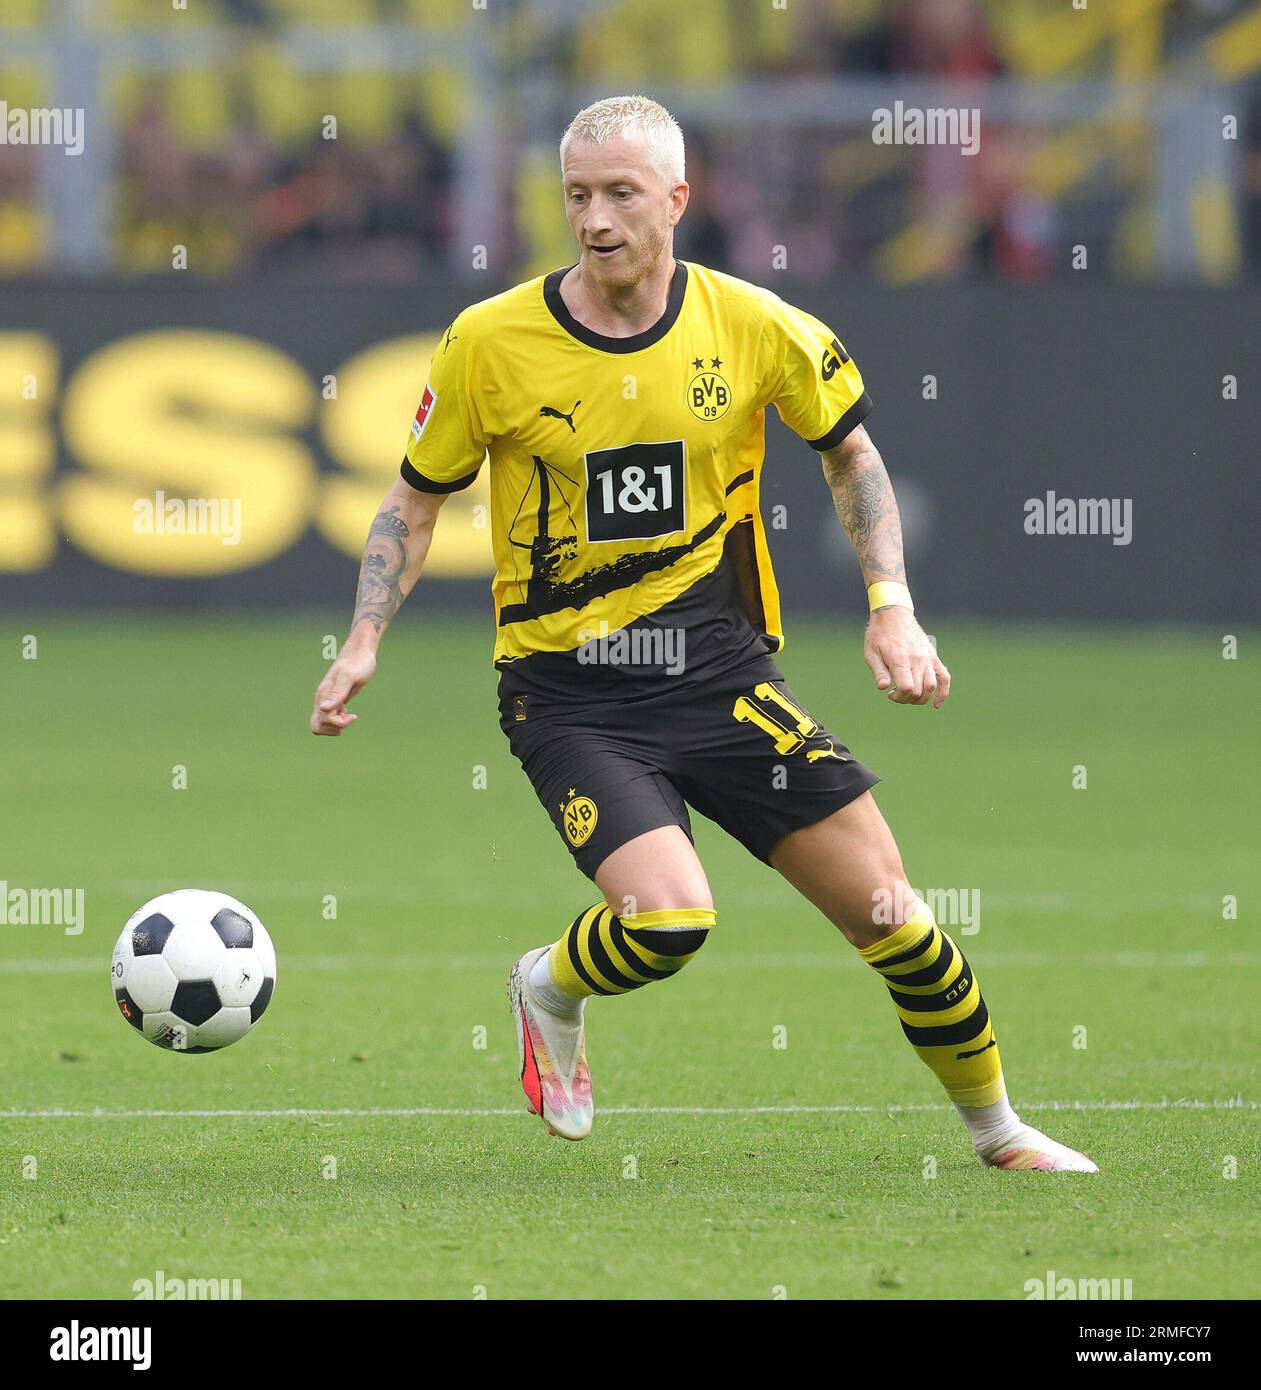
(1107, 960)
(492, 1112)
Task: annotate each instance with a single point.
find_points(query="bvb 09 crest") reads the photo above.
(708, 396)
(578, 815)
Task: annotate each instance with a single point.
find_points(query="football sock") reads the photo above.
(602, 953)
(942, 1012)
(554, 1000)
(991, 1126)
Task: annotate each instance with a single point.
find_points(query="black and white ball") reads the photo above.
(193, 970)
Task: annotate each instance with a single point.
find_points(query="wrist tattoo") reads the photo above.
(865, 505)
(381, 574)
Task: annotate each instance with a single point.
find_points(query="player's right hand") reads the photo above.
(345, 678)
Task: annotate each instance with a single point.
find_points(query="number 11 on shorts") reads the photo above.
(787, 739)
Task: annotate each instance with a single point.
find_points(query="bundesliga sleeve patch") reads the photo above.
(422, 414)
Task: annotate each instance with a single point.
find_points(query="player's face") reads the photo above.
(621, 210)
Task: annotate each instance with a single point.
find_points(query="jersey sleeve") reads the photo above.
(447, 444)
(811, 380)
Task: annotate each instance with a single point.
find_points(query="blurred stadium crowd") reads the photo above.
(229, 153)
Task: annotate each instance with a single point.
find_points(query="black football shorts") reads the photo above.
(742, 750)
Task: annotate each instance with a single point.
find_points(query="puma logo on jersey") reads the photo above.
(560, 415)
(814, 754)
(962, 1056)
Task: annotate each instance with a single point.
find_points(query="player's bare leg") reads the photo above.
(660, 869)
(848, 865)
(656, 912)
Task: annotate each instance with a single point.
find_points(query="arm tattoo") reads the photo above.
(864, 502)
(381, 574)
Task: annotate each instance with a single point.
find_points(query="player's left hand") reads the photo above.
(903, 660)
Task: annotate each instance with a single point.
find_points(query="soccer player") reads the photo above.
(620, 402)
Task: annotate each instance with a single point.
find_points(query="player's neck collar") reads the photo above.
(560, 312)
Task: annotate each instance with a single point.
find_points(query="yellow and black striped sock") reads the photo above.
(941, 1009)
(602, 953)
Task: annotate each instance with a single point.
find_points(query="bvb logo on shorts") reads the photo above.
(578, 816)
(708, 396)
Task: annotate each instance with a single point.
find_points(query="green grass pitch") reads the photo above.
(1101, 910)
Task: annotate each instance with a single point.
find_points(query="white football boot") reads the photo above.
(1029, 1148)
(553, 1055)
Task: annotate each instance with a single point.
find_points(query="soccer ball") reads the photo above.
(193, 970)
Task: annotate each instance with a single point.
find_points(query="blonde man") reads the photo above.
(620, 402)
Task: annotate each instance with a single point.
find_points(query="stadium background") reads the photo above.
(1002, 367)
(214, 300)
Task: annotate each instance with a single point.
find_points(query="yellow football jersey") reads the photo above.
(623, 469)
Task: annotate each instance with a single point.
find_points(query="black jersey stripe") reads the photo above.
(545, 596)
(414, 478)
(738, 481)
(852, 418)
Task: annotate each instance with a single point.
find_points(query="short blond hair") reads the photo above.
(604, 120)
